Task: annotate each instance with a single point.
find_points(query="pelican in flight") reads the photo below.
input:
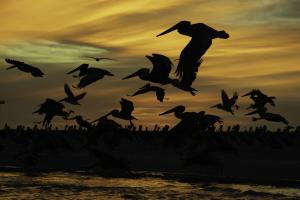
(81, 122)
(71, 98)
(160, 92)
(162, 67)
(201, 39)
(89, 75)
(227, 103)
(52, 108)
(260, 99)
(100, 58)
(125, 113)
(35, 72)
(263, 114)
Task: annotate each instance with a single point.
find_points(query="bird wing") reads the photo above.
(126, 106)
(14, 62)
(141, 91)
(88, 79)
(80, 68)
(160, 94)
(68, 91)
(80, 96)
(189, 74)
(162, 65)
(225, 98)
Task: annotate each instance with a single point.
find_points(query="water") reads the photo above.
(75, 186)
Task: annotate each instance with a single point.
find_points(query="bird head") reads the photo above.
(223, 35)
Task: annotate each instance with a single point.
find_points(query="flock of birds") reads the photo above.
(189, 62)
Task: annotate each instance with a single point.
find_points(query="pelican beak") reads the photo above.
(247, 94)
(251, 113)
(214, 106)
(145, 86)
(167, 112)
(168, 30)
(132, 75)
(10, 67)
(109, 74)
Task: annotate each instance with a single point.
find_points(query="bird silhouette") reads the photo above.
(263, 114)
(89, 75)
(125, 113)
(52, 108)
(160, 92)
(2, 102)
(260, 99)
(100, 58)
(81, 122)
(202, 36)
(227, 103)
(208, 121)
(34, 71)
(162, 67)
(71, 98)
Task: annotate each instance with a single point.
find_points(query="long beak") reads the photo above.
(110, 74)
(132, 75)
(78, 68)
(251, 113)
(168, 30)
(103, 117)
(145, 86)
(247, 94)
(10, 67)
(167, 112)
(214, 106)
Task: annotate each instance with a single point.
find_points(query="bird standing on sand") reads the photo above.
(34, 71)
(227, 103)
(71, 98)
(89, 75)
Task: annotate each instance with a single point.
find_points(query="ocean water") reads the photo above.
(77, 186)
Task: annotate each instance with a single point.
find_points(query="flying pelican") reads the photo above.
(162, 67)
(71, 98)
(81, 122)
(160, 92)
(227, 103)
(25, 68)
(125, 113)
(263, 114)
(202, 36)
(88, 75)
(260, 99)
(100, 58)
(52, 108)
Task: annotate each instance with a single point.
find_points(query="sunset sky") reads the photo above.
(263, 52)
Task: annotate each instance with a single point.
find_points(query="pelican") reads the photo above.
(81, 122)
(71, 98)
(209, 121)
(125, 113)
(227, 103)
(89, 75)
(263, 114)
(162, 66)
(52, 108)
(260, 99)
(202, 36)
(35, 72)
(100, 58)
(160, 92)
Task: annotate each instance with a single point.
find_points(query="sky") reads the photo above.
(262, 52)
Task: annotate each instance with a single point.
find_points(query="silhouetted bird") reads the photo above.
(52, 108)
(125, 113)
(227, 103)
(100, 58)
(162, 66)
(202, 36)
(260, 99)
(81, 122)
(2, 102)
(25, 68)
(89, 75)
(262, 112)
(160, 92)
(208, 121)
(71, 98)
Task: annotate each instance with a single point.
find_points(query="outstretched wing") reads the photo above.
(80, 68)
(160, 94)
(80, 96)
(14, 62)
(162, 65)
(225, 98)
(126, 106)
(68, 91)
(189, 74)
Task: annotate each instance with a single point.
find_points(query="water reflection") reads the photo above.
(82, 186)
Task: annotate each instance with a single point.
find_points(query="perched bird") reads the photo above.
(162, 67)
(160, 92)
(52, 108)
(71, 98)
(100, 58)
(125, 113)
(89, 75)
(227, 103)
(81, 122)
(263, 114)
(36, 72)
(201, 39)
